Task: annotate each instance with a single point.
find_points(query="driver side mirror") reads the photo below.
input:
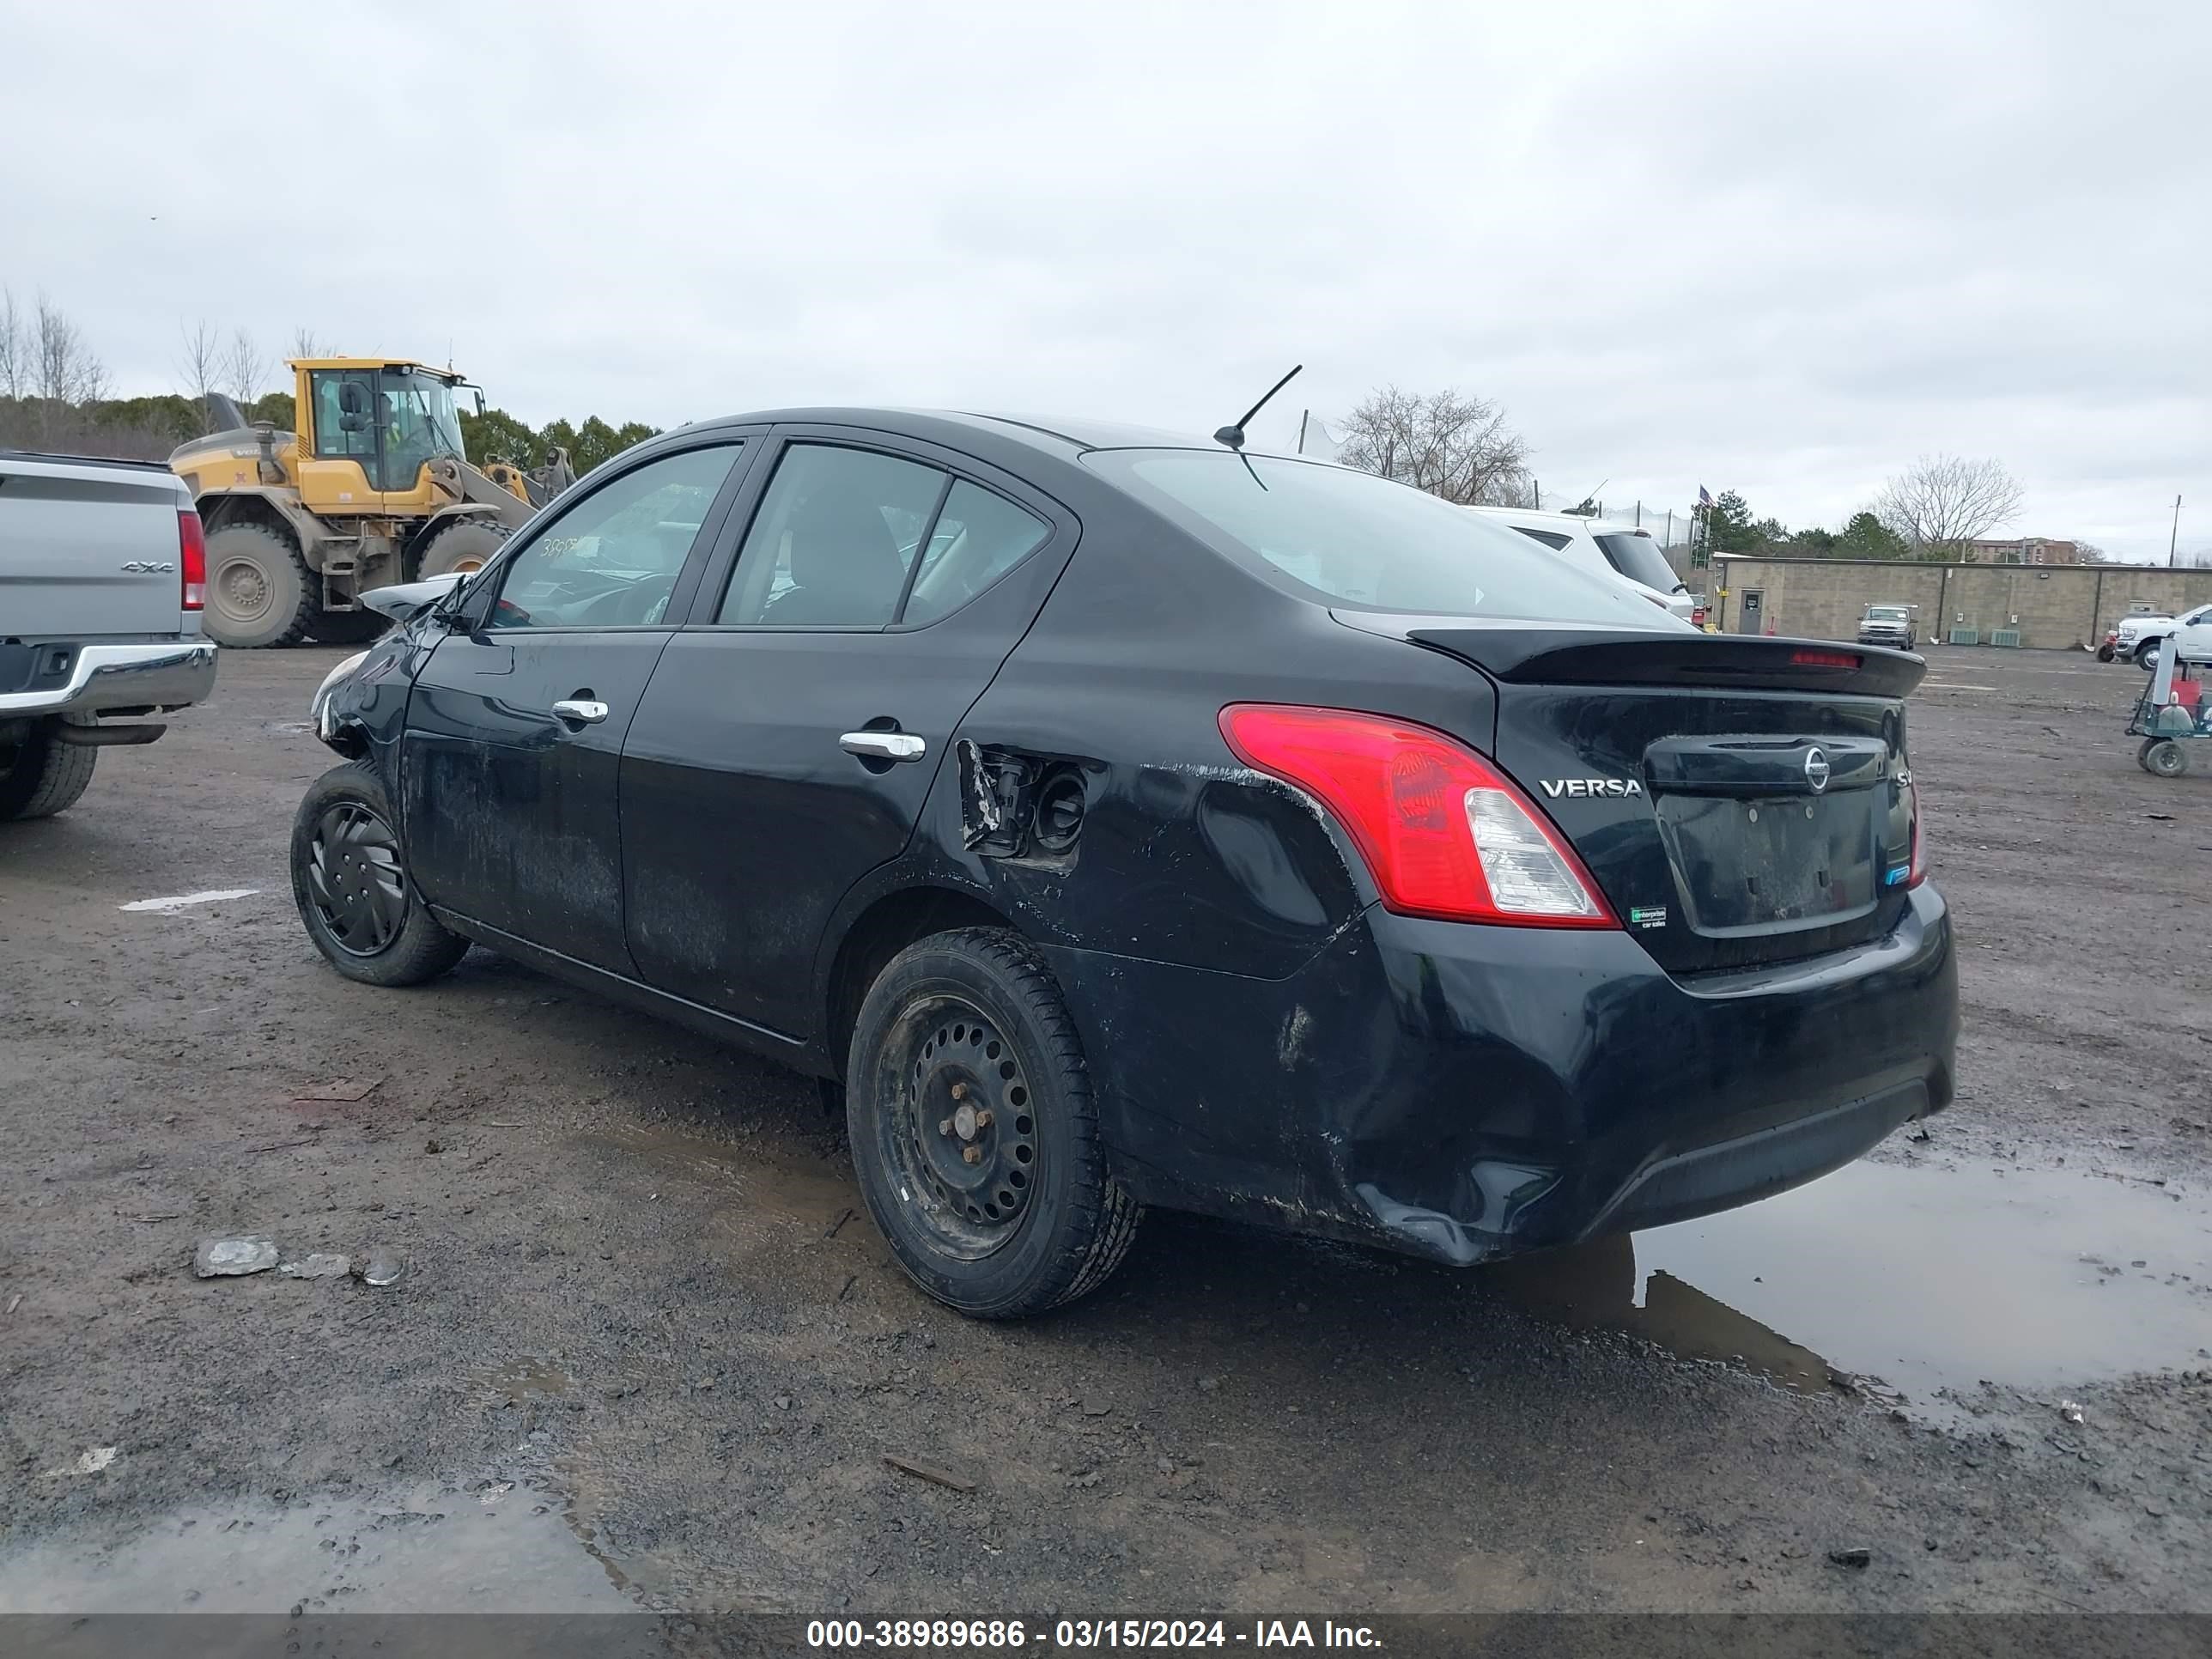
(353, 420)
(403, 601)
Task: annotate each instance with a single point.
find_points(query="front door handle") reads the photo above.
(884, 745)
(580, 710)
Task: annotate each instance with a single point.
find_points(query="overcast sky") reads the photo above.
(1682, 245)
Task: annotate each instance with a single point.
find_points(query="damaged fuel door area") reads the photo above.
(1018, 804)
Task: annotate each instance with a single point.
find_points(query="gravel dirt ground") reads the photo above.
(645, 1353)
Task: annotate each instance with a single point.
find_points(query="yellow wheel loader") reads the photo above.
(374, 488)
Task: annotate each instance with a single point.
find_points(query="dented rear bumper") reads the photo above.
(1464, 1093)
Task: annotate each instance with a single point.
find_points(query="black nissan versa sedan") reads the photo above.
(1128, 820)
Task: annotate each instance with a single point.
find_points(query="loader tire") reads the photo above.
(466, 545)
(259, 590)
(41, 775)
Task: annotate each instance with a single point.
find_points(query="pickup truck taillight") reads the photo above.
(191, 558)
(1698, 615)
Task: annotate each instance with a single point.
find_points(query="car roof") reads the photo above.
(1064, 437)
(1542, 520)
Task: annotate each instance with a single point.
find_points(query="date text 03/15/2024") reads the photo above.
(974, 1634)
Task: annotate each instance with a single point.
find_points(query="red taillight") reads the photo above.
(1849, 659)
(191, 558)
(1698, 615)
(1444, 833)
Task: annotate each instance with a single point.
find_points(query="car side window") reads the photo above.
(612, 560)
(1551, 538)
(834, 538)
(979, 537)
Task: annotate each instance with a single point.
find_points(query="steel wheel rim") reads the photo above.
(241, 590)
(960, 1086)
(355, 881)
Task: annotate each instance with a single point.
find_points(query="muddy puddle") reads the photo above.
(1921, 1277)
(499, 1549)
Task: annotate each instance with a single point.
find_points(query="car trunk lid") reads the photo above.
(1739, 800)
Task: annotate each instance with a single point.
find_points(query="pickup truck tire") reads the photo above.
(2105, 654)
(974, 1132)
(353, 890)
(2147, 654)
(41, 775)
(259, 590)
(466, 545)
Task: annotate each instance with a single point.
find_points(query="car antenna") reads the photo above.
(1234, 436)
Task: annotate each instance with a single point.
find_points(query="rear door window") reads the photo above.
(979, 537)
(833, 539)
(1551, 538)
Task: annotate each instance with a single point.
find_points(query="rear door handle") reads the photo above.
(581, 710)
(884, 745)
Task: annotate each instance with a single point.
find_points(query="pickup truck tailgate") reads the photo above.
(88, 549)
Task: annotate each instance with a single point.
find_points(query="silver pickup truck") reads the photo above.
(102, 575)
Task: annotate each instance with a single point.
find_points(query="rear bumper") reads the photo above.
(1467, 1093)
(152, 675)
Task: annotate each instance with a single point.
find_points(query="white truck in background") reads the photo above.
(103, 573)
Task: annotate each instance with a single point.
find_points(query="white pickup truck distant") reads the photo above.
(102, 575)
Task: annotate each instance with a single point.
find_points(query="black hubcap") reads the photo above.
(963, 1141)
(354, 875)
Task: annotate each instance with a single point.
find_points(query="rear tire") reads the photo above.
(2162, 758)
(465, 544)
(353, 894)
(972, 1022)
(2105, 653)
(43, 775)
(259, 590)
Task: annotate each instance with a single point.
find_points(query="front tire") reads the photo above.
(2162, 758)
(974, 1132)
(42, 776)
(259, 590)
(352, 888)
(466, 545)
(2147, 655)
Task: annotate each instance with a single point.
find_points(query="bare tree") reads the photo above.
(64, 370)
(200, 367)
(15, 348)
(1941, 503)
(305, 344)
(1449, 444)
(245, 368)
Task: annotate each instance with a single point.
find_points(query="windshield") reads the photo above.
(1350, 539)
(1885, 613)
(420, 422)
(1638, 558)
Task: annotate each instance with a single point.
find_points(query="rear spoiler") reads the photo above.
(1541, 654)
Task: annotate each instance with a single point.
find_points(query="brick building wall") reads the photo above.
(2056, 606)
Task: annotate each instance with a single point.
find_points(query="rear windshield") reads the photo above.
(1638, 558)
(1351, 539)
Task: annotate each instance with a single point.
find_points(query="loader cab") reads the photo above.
(367, 430)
